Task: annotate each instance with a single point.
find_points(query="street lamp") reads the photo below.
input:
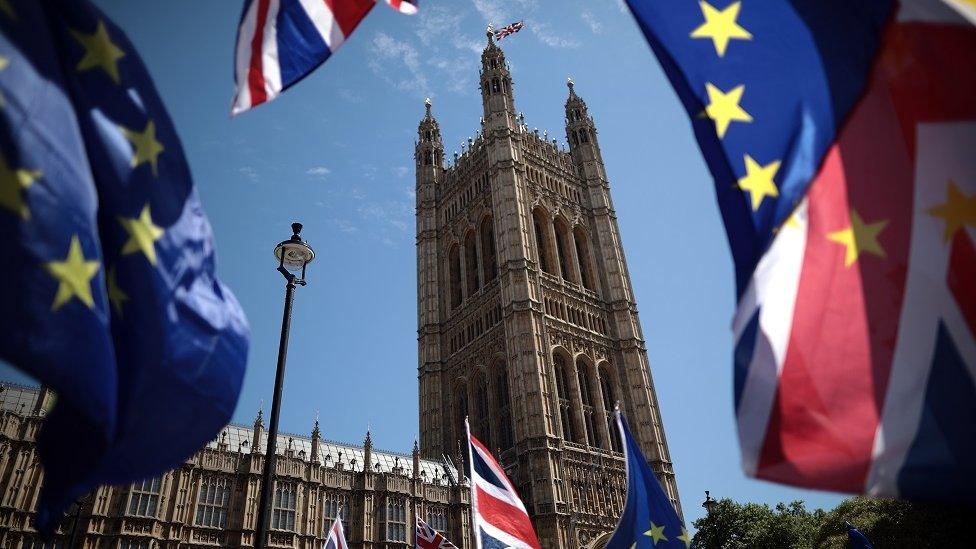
(709, 503)
(293, 256)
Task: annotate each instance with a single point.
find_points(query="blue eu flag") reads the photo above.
(649, 519)
(108, 293)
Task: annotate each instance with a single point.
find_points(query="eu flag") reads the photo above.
(649, 519)
(108, 293)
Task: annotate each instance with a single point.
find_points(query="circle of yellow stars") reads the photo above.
(75, 272)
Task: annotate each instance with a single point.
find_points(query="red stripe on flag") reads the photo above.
(502, 515)
(961, 276)
(845, 324)
(348, 13)
(255, 75)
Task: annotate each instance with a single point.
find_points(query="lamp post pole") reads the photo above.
(293, 254)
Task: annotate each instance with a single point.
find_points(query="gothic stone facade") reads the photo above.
(526, 316)
(211, 500)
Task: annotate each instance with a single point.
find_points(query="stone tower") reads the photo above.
(526, 317)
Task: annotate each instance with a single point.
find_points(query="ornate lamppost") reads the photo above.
(293, 256)
(709, 503)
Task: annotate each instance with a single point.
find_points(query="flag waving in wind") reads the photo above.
(840, 136)
(428, 538)
(108, 289)
(279, 42)
(337, 535)
(498, 516)
(648, 519)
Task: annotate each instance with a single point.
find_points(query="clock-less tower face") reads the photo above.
(527, 323)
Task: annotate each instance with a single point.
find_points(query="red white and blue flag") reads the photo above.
(279, 42)
(508, 30)
(841, 137)
(428, 538)
(337, 536)
(498, 516)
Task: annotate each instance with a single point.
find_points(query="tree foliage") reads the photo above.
(887, 523)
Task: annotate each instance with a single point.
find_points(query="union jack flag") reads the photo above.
(428, 538)
(279, 42)
(845, 172)
(508, 29)
(337, 536)
(498, 516)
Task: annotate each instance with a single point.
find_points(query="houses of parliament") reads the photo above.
(527, 324)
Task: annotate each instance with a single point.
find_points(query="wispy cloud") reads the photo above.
(249, 172)
(318, 172)
(549, 37)
(400, 171)
(387, 53)
(391, 214)
(349, 96)
(345, 226)
(595, 26)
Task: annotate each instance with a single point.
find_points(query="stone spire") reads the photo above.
(496, 88)
(258, 430)
(315, 443)
(368, 453)
(416, 460)
(580, 129)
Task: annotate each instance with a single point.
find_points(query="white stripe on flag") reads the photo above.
(242, 59)
(323, 19)
(269, 49)
(773, 290)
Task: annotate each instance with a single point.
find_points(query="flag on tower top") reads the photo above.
(840, 136)
(508, 29)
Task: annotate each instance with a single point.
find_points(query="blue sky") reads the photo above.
(336, 153)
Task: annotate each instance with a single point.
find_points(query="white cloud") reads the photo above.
(249, 172)
(318, 171)
(497, 12)
(392, 214)
(549, 37)
(591, 21)
(345, 226)
(388, 52)
(349, 96)
(400, 171)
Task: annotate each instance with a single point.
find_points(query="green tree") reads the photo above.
(889, 524)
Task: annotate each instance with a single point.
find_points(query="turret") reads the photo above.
(258, 430)
(496, 87)
(368, 453)
(580, 130)
(416, 460)
(315, 443)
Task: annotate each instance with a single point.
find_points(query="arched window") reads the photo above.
(471, 263)
(583, 253)
(489, 263)
(609, 401)
(483, 421)
(562, 385)
(504, 405)
(582, 371)
(212, 502)
(542, 239)
(563, 250)
(284, 506)
(494, 85)
(454, 265)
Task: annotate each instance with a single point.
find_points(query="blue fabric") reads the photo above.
(940, 459)
(485, 471)
(144, 380)
(744, 349)
(301, 48)
(648, 519)
(857, 539)
(803, 69)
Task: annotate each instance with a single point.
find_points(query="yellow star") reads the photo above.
(145, 148)
(143, 234)
(859, 237)
(100, 52)
(758, 181)
(723, 107)
(4, 61)
(685, 537)
(656, 533)
(115, 294)
(958, 211)
(12, 185)
(720, 26)
(7, 9)
(74, 275)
